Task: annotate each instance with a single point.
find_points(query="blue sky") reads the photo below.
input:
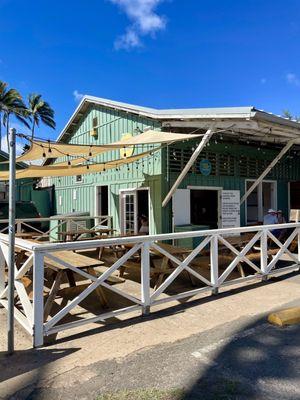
(164, 54)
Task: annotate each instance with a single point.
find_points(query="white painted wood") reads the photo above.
(282, 250)
(189, 164)
(101, 317)
(181, 265)
(19, 317)
(181, 207)
(38, 299)
(92, 287)
(145, 277)
(214, 262)
(145, 241)
(121, 293)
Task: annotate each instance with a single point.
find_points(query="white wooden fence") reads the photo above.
(30, 310)
(63, 223)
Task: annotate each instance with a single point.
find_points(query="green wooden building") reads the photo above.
(24, 187)
(245, 141)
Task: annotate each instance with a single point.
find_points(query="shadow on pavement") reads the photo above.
(259, 362)
(31, 362)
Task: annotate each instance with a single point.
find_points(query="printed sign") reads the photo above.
(205, 167)
(231, 209)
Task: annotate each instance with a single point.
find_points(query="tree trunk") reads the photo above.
(7, 132)
(0, 131)
(32, 129)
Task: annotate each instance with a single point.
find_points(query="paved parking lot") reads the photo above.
(220, 348)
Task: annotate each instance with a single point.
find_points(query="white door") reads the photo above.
(129, 217)
(181, 207)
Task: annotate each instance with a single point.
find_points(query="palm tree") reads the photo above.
(10, 103)
(39, 111)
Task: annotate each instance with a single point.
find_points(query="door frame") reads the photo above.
(217, 188)
(121, 208)
(97, 199)
(259, 193)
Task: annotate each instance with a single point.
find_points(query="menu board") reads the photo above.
(230, 209)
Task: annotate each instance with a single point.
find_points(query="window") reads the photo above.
(94, 130)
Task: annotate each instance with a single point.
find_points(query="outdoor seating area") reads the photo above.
(80, 280)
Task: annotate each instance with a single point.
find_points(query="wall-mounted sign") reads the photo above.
(205, 167)
(231, 209)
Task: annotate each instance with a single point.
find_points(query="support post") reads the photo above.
(189, 164)
(145, 277)
(286, 148)
(298, 237)
(2, 271)
(214, 264)
(11, 240)
(38, 299)
(264, 254)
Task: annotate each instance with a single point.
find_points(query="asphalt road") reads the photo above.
(247, 359)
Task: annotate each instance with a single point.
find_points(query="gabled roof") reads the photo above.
(205, 115)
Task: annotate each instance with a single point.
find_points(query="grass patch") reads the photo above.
(144, 394)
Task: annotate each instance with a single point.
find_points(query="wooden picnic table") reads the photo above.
(75, 235)
(28, 235)
(58, 271)
(76, 260)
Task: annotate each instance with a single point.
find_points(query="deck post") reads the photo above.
(145, 278)
(214, 264)
(264, 254)
(11, 241)
(38, 299)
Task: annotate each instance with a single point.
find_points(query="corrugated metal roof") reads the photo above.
(219, 113)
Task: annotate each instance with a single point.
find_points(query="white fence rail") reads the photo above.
(63, 223)
(272, 257)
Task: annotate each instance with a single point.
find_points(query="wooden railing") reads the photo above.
(63, 223)
(272, 257)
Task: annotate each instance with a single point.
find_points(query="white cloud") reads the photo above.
(293, 79)
(145, 21)
(77, 96)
